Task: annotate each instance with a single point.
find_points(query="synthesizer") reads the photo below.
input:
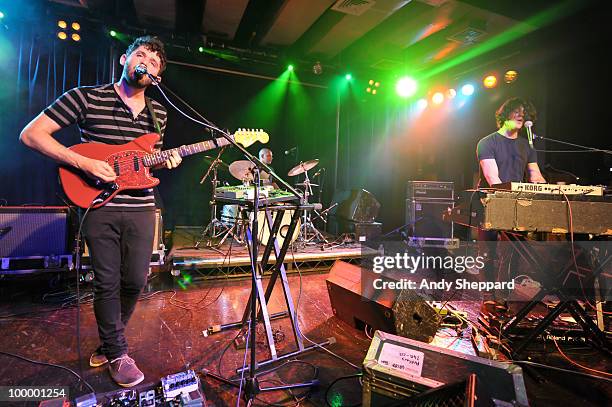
(520, 212)
(550, 189)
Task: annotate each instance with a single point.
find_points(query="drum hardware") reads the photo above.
(308, 232)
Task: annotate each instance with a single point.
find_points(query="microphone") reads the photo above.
(140, 70)
(291, 150)
(528, 125)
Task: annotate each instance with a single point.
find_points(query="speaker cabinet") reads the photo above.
(34, 231)
(361, 206)
(425, 218)
(402, 312)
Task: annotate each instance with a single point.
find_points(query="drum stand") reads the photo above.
(308, 232)
(215, 227)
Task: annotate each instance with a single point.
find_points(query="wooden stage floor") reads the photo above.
(165, 337)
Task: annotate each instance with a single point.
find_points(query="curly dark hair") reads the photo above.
(503, 113)
(151, 43)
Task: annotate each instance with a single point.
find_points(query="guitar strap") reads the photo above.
(153, 115)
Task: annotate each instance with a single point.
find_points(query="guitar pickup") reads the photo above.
(116, 167)
(136, 163)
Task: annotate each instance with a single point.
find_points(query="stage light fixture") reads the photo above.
(422, 104)
(490, 81)
(451, 93)
(62, 24)
(371, 82)
(369, 90)
(348, 76)
(510, 76)
(201, 49)
(377, 84)
(467, 89)
(437, 98)
(75, 37)
(76, 26)
(290, 68)
(406, 87)
(317, 68)
(1, 14)
(62, 35)
(373, 91)
(112, 33)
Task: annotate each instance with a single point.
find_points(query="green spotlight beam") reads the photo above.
(535, 22)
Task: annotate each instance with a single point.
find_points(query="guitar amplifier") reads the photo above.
(425, 218)
(442, 190)
(27, 231)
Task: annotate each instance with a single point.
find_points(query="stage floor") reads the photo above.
(165, 336)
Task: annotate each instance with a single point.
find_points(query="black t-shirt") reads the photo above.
(511, 155)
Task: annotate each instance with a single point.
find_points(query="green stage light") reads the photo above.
(348, 76)
(201, 49)
(113, 33)
(406, 87)
(290, 68)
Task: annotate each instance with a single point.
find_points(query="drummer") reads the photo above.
(265, 156)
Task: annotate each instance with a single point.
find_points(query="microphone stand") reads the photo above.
(598, 150)
(252, 387)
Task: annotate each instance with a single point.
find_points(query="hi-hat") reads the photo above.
(303, 167)
(242, 170)
(209, 161)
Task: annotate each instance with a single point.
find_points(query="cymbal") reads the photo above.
(303, 184)
(242, 170)
(303, 167)
(209, 160)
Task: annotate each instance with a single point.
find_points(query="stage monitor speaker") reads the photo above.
(360, 206)
(28, 231)
(406, 313)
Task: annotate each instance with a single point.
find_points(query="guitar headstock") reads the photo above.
(248, 137)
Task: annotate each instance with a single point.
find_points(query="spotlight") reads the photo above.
(201, 49)
(510, 76)
(451, 93)
(437, 98)
(62, 24)
(75, 37)
(490, 81)
(290, 68)
(422, 104)
(1, 15)
(406, 87)
(348, 76)
(317, 68)
(377, 84)
(62, 35)
(76, 26)
(467, 89)
(373, 91)
(112, 33)
(371, 82)
(369, 90)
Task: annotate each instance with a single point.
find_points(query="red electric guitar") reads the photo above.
(131, 162)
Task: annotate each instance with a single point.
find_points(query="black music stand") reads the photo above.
(554, 287)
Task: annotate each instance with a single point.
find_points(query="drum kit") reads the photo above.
(233, 224)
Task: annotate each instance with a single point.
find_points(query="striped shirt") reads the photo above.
(103, 117)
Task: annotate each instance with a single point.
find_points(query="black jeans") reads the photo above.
(120, 245)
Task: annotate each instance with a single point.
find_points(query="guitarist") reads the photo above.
(119, 234)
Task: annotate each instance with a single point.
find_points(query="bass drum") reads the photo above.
(264, 230)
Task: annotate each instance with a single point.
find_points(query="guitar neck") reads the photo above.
(162, 156)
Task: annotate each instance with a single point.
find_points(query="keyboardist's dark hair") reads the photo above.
(503, 113)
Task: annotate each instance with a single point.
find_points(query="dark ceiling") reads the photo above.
(358, 34)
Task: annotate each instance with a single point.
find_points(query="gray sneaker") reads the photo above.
(97, 358)
(124, 371)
